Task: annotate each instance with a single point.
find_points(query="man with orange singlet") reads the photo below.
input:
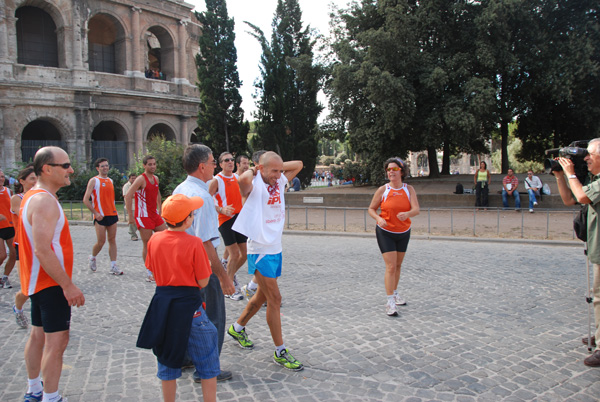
(46, 256)
(100, 188)
(147, 204)
(7, 233)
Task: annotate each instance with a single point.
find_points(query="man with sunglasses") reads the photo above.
(46, 257)
(199, 163)
(226, 191)
(102, 192)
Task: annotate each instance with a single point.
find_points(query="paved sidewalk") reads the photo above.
(484, 322)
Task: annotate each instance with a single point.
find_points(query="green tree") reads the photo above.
(220, 119)
(287, 90)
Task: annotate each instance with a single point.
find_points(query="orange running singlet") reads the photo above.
(33, 276)
(394, 201)
(228, 193)
(103, 196)
(5, 208)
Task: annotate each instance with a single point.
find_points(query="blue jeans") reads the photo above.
(532, 198)
(505, 199)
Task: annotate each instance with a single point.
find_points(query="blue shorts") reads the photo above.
(269, 265)
(202, 348)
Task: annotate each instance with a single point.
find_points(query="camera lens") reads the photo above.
(550, 165)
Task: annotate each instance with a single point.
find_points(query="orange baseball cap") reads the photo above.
(178, 207)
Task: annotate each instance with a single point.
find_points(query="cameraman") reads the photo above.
(586, 194)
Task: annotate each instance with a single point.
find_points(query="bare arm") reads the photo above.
(213, 187)
(414, 206)
(138, 183)
(203, 282)
(87, 202)
(217, 268)
(43, 214)
(374, 206)
(291, 169)
(245, 180)
(15, 204)
(574, 184)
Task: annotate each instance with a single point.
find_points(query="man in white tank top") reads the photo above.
(262, 219)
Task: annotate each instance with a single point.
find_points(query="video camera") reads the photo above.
(576, 151)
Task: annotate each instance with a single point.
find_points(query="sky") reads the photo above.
(260, 13)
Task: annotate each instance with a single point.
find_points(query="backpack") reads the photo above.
(580, 223)
(459, 189)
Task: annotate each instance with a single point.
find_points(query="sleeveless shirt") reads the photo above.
(228, 193)
(103, 196)
(145, 199)
(394, 201)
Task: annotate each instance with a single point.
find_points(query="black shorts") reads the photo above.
(17, 251)
(108, 220)
(50, 310)
(389, 241)
(229, 235)
(7, 233)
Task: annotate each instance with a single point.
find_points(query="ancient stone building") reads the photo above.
(97, 77)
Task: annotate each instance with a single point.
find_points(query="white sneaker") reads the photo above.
(115, 270)
(390, 309)
(224, 262)
(93, 264)
(237, 296)
(398, 300)
(531, 210)
(535, 203)
(248, 292)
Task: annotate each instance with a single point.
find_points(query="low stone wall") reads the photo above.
(352, 200)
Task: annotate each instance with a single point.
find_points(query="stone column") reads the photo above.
(136, 56)
(184, 137)
(138, 133)
(3, 36)
(8, 154)
(182, 39)
(77, 38)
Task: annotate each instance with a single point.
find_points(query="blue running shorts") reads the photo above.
(269, 265)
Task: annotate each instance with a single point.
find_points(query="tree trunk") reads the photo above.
(446, 159)
(504, 135)
(434, 170)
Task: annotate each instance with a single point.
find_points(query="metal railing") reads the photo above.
(556, 224)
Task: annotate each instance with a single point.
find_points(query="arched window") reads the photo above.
(161, 54)
(161, 130)
(37, 42)
(109, 141)
(38, 134)
(106, 45)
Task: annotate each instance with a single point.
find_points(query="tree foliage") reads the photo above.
(220, 119)
(412, 76)
(287, 89)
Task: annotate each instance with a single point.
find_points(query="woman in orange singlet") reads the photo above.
(398, 203)
(25, 181)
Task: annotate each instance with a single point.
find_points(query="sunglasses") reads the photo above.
(393, 169)
(228, 160)
(62, 165)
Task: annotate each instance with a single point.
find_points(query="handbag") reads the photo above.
(546, 189)
(580, 223)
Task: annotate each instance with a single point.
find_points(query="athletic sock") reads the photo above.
(252, 285)
(35, 385)
(237, 327)
(280, 349)
(113, 264)
(92, 258)
(53, 397)
(16, 309)
(395, 292)
(390, 299)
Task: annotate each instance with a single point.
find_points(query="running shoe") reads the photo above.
(399, 300)
(20, 318)
(2, 282)
(241, 337)
(92, 264)
(6, 283)
(224, 262)
(288, 361)
(115, 270)
(390, 309)
(237, 296)
(150, 278)
(30, 397)
(248, 292)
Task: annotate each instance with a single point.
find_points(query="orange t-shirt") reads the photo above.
(103, 196)
(177, 259)
(5, 208)
(33, 276)
(394, 201)
(15, 219)
(228, 193)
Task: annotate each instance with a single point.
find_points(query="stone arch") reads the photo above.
(164, 129)
(107, 38)
(37, 39)
(160, 50)
(40, 133)
(109, 140)
(195, 136)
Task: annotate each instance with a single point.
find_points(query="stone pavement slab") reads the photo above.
(484, 322)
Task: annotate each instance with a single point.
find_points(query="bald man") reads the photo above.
(261, 220)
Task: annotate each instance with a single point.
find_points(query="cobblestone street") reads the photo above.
(484, 322)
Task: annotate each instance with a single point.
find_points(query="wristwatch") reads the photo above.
(572, 176)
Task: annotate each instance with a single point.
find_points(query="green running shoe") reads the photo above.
(241, 337)
(287, 360)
